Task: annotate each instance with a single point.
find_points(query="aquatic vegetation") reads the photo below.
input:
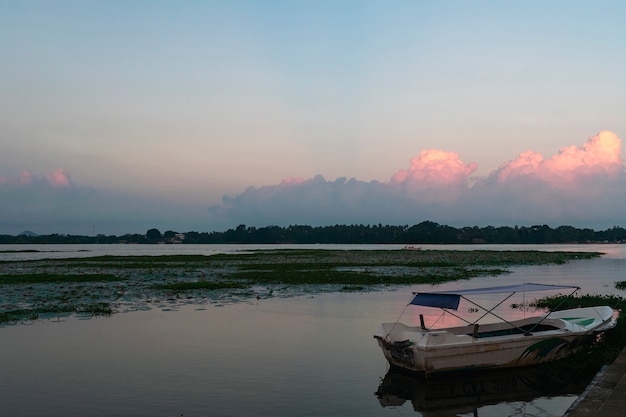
(69, 285)
(95, 309)
(620, 285)
(349, 288)
(295, 276)
(200, 285)
(54, 278)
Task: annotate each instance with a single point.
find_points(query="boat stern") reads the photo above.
(398, 343)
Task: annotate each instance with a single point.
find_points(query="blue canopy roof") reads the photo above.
(450, 299)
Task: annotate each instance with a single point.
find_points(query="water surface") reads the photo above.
(303, 356)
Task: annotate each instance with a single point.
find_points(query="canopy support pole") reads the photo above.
(555, 309)
(397, 320)
(494, 314)
(490, 311)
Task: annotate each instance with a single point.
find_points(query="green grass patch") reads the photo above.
(125, 262)
(43, 278)
(352, 288)
(200, 285)
(335, 257)
(324, 276)
(96, 309)
(562, 302)
(136, 278)
(295, 266)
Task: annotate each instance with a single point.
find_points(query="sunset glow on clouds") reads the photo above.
(599, 156)
(433, 168)
(202, 116)
(58, 178)
(580, 185)
(571, 187)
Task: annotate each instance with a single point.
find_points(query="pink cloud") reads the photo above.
(292, 180)
(571, 187)
(434, 168)
(59, 178)
(599, 156)
(26, 178)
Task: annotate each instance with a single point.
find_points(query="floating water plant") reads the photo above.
(54, 278)
(200, 285)
(95, 283)
(95, 309)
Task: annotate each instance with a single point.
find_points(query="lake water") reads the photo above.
(303, 356)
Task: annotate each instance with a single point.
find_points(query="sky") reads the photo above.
(121, 116)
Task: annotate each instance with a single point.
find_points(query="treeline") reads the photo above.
(423, 233)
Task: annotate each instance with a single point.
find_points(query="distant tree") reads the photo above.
(153, 235)
(566, 234)
(425, 232)
(192, 237)
(169, 235)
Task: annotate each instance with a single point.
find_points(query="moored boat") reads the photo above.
(501, 344)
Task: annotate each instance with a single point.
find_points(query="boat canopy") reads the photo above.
(450, 299)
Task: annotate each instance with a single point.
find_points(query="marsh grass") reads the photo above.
(132, 280)
(95, 309)
(132, 262)
(201, 285)
(323, 276)
(40, 278)
(321, 258)
(352, 288)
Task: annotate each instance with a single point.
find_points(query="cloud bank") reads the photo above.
(59, 178)
(53, 203)
(580, 185)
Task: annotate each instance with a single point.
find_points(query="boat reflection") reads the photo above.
(466, 393)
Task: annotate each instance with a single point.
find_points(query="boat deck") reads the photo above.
(528, 328)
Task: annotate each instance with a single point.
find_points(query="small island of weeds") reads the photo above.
(31, 289)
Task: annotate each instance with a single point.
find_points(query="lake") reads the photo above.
(303, 356)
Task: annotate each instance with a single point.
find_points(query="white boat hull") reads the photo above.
(492, 345)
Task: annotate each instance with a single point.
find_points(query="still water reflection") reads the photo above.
(303, 356)
(528, 389)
